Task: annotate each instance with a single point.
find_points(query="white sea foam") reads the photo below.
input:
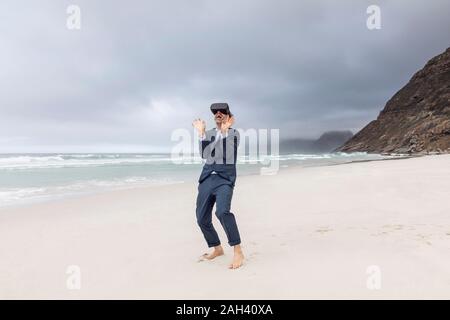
(10, 196)
(77, 160)
(18, 195)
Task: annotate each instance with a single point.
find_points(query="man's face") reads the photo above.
(219, 118)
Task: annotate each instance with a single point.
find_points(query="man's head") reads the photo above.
(221, 112)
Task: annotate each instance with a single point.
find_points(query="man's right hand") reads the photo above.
(200, 125)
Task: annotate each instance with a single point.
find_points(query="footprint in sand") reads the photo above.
(252, 255)
(390, 228)
(384, 233)
(393, 227)
(425, 239)
(323, 230)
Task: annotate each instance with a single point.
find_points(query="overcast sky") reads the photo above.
(137, 70)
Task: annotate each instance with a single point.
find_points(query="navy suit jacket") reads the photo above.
(220, 155)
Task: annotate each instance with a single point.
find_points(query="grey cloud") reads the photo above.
(137, 70)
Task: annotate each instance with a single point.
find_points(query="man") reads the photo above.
(216, 183)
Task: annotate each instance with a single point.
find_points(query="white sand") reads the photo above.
(307, 233)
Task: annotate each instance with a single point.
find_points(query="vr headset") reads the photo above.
(222, 107)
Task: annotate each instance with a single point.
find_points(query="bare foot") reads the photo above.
(218, 251)
(238, 259)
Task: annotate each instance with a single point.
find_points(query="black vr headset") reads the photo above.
(222, 107)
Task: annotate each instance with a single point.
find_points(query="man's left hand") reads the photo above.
(227, 124)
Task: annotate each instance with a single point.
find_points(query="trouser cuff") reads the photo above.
(234, 243)
(210, 245)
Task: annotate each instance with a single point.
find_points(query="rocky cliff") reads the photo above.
(416, 119)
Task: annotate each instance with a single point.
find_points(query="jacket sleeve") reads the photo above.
(237, 141)
(205, 144)
(231, 144)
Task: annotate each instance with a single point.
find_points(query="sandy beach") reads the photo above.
(317, 232)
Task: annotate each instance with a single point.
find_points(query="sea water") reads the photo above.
(26, 178)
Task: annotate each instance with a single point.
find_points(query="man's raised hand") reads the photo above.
(200, 125)
(227, 124)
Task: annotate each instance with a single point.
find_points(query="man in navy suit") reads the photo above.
(216, 183)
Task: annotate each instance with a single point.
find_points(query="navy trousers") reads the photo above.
(215, 189)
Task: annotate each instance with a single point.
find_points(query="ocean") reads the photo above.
(28, 178)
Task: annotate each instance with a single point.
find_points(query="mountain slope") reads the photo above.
(416, 119)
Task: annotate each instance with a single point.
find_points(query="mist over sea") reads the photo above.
(26, 178)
